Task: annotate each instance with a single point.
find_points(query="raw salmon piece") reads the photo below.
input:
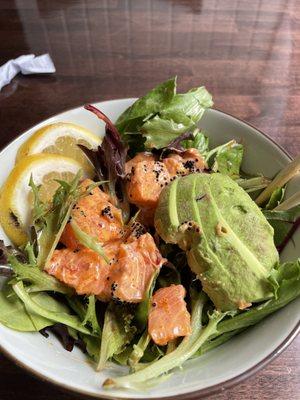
(145, 182)
(168, 317)
(84, 270)
(96, 216)
(137, 261)
(189, 162)
(145, 156)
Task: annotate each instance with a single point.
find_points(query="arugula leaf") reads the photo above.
(276, 198)
(91, 316)
(88, 241)
(162, 115)
(284, 224)
(44, 310)
(14, 315)
(117, 333)
(184, 351)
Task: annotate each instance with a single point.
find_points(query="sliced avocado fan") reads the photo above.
(228, 241)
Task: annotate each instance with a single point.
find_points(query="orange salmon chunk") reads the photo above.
(168, 317)
(145, 182)
(96, 216)
(187, 163)
(137, 262)
(84, 270)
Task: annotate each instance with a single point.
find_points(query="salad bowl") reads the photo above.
(224, 366)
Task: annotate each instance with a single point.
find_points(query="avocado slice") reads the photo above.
(228, 241)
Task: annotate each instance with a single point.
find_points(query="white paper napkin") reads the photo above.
(29, 64)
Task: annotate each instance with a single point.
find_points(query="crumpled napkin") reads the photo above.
(29, 64)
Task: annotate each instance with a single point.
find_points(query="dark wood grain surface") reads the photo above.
(247, 53)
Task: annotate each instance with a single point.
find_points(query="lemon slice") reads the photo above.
(16, 195)
(61, 138)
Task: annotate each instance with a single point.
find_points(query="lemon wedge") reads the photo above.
(61, 138)
(16, 195)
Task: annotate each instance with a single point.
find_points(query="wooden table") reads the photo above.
(245, 52)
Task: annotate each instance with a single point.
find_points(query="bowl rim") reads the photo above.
(210, 390)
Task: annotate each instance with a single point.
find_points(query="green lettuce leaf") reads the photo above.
(14, 315)
(150, 104)
(92, 344)
(162, 115)
(44, 309)
(227, 158)
(199, 142)
(117, 333)
(90, 318)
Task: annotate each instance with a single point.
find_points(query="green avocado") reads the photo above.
(228, 241)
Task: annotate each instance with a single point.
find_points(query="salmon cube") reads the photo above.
(137, 261)
(145, 182)
(168, 317)
(96, 216)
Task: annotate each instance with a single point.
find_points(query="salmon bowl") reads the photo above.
(216, 370)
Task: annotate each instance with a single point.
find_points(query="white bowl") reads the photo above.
(216, 370)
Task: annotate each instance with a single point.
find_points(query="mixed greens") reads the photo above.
(218, 231)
